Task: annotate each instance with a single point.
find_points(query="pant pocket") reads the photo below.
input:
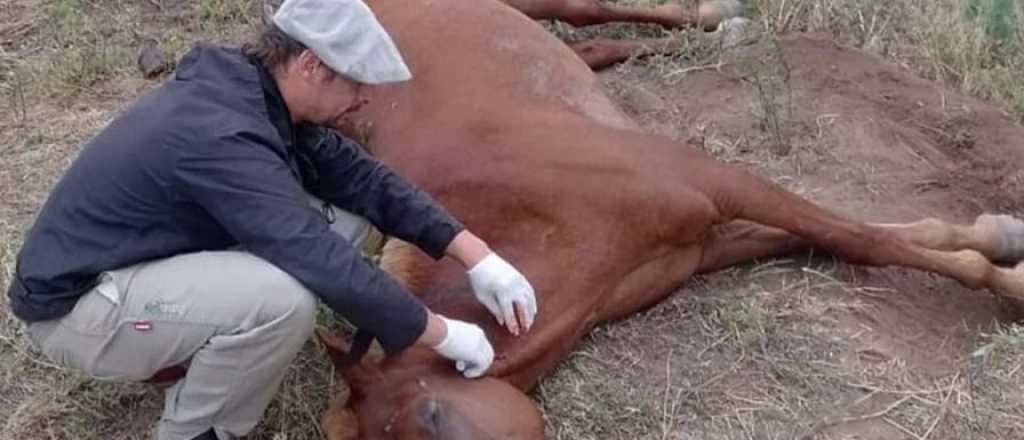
(38, 332)
(94, 314)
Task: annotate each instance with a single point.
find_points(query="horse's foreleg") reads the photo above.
(592, 12)
(602, 53)
(971, 249)
(739, 241)
(997, 237)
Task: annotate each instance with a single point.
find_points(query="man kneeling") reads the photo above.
(203, 224)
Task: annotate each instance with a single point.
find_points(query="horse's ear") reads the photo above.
(338, 348)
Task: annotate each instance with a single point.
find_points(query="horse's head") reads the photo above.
(419, 396)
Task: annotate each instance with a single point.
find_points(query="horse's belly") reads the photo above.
(476, 58)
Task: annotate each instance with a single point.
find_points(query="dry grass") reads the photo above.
(761, 352)
(974, 45)
(740, 354)
(690, 378)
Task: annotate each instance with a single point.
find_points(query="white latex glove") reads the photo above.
(467, 345)
(499, 286)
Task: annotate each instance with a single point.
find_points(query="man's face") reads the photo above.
(334, 97)
(321, 96)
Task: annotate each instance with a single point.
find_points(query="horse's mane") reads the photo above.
(409, 265)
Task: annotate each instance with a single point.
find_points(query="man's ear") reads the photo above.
(307, 64)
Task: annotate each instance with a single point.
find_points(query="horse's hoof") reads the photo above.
(1007, 233)
(714, 12)
(1011, 292)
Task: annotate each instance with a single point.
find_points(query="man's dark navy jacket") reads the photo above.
(211, 160)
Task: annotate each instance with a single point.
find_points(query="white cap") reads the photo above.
(346, 36)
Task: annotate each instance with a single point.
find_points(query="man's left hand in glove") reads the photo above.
(502, 289)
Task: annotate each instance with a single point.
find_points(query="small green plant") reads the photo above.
(747, 320)
(976, 45)
(998, 18)
(86, 65)
(215, 15)
(12, 84)
(769, 75)
(998, 344)
(67, 21)
(82, 55)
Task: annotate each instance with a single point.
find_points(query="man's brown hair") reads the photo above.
(273, 48)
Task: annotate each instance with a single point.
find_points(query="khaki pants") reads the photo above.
(233, 319)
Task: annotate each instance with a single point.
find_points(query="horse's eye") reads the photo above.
(429, 418)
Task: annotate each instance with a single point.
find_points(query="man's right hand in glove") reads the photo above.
(460, 341)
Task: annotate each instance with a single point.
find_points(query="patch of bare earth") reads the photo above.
(808, 347)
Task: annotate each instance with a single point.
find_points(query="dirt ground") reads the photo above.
(803, 347)
(808, 347)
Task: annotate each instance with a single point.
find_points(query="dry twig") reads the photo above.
(717, 66)
(829, 423)
(944, 409)
(902, 428)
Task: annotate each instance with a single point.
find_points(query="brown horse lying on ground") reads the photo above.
(511, 131)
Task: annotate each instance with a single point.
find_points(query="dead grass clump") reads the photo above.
(304, 394)
(12, 87)
(593, 397)
(993, 384)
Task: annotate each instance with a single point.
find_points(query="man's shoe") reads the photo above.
(208, 435)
